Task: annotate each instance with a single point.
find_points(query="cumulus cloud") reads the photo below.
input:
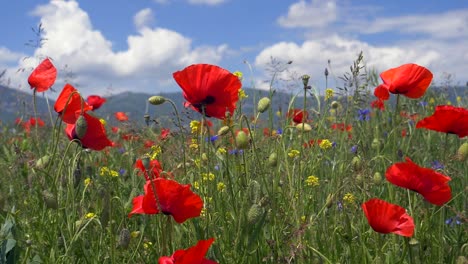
(313, 14)
(147, 64)
(144, 18)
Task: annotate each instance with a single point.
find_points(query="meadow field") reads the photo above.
(374, 172)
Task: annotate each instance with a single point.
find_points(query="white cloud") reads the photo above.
(313, 14)
(7, 55)
(450, 24)
(144, 18)
(153, 54)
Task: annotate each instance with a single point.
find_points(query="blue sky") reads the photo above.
(106, 47)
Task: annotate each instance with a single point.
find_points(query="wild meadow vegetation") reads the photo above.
(341, 176)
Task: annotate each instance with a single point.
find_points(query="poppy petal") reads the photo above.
(68, 103)
(410, 80)
(192, 255)
(43, 77)
(447, 119)
(381, 92)
(95, 137)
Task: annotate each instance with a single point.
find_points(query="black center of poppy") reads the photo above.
(166, 213)
(208, 100)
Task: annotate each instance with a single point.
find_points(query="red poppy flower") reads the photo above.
(154, 169)
(39, 121)
(174, 199)
(95, 101)
(193, 255)
(210, 87)
(298, 116)
(43, 77)
(68, 103)
(121, 116)
(341, 127)
(95, 137)
(386, 218)
(447, 119)
(165, 133)
(378, 103)
(410, 80)
(432, 185)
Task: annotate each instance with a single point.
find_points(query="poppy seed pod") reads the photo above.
(356, 163)
(49, 200)
(377, 179)
(305, 79)
(223, 131)
(335, 104)
(156, 100)
(376, 144)
(263, 104)
(81, 127)
(254, 191)
(242, 140)
(124, 238)
(145, 160)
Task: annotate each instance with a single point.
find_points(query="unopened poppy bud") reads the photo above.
(263, 104)
(156, 100)
(305, 79)
(356, 163)
(335, 104)
(124, 238)
(359, 178)
(204, 157)
(49, 200)
(43, 162)
(462, 152)
(273, 160)
(254, 214)
(254, 191)
(377, 178)
(376, 144)
(223, 130)
(81, 127)
(242, 140)
(304, 127)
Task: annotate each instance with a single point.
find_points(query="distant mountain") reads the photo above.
(15, 103)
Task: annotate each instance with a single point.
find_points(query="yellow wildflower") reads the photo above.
(349, 199)
(147, 244)
(105, 171)
(103, 122)
(196, 185)
(328, 93)
(449, 103)
(155, 151)
(325, 144)
(242, 94)
(458, 99)
(88, 181)
(90, 215)
(221, 186)
(432, 100)
(208, 176)
(293, 153)
(195, 126)
(221, 151)
(238, 74)
(312, 181)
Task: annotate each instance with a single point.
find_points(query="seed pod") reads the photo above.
(81, 127)
(376, 144)
(263, 104)
(156, 100)
(254, 191)
(356, 163)
(43, 162)
(377, 179)
(335, 105)
(462, 152)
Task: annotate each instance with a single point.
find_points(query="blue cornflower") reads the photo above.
(423, 103)
(279, 131)
(212, 138)
(436, 165)
(236, 151)
(122, 171)
(453, 220)
(364, 114)
(354, 149)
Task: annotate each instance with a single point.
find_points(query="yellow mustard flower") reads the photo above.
(195, 126)
(349, 199)
(293, 153)
(325, 144)
(221, 186)
(328, 93)
(312, 181)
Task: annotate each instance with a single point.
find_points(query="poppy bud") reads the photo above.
(124, 238)
(377, 178)
(305, 79)
(204, 157)
(376, 144)
(335, 104)
(156, 100)
(359, 178)
(43, 162)
(254, 191)
(303, 127)
(356, 163)
(329, 201)
(273, 160)
(242, 140)
(80, 127)
(49, 200)
(223, 131)
(462, 152)
(263, 104)
(254, 214)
